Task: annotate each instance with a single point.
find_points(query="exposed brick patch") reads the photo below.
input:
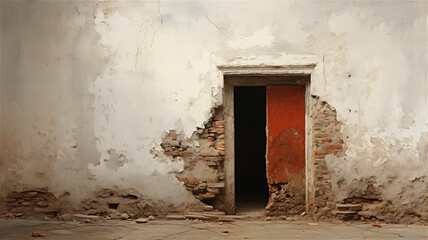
(203, 155)
(327, 140)
(107, 204)
(39, 203)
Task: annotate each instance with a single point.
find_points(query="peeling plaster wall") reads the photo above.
(46, 108)
(81, 80)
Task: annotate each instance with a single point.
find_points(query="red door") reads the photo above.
(286, 137)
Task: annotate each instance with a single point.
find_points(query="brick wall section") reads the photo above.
(326, 140)
(32, 203)
(205, 148)
(108, 203)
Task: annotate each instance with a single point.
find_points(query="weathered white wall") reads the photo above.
(89, 89)
(46, 108)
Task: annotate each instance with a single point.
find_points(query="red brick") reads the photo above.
(208, 195)
(219, 130)
(37, 199)
(376, 225)
(334, 147)
(186, 153)
(327, 140)
(194, 182)
(220, 147)
(317, 153)
(320, 135)
(14, 195)
(218, 123)
(30, 194)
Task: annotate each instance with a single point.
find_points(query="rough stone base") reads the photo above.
(284, 200)
(119, 205)
(107, 204)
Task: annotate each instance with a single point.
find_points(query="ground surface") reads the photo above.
(187, 229)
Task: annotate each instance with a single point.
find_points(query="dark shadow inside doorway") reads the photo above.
(251, 189)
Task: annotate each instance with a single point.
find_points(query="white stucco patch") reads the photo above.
(260, 38)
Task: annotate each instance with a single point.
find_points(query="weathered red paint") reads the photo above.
(285, 134)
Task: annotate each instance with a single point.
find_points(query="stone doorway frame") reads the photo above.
(267, 68)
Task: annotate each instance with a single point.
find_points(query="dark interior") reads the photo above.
(251, 189)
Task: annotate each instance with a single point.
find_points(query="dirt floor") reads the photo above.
(196, 229)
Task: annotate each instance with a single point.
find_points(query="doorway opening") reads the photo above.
(251, 187)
